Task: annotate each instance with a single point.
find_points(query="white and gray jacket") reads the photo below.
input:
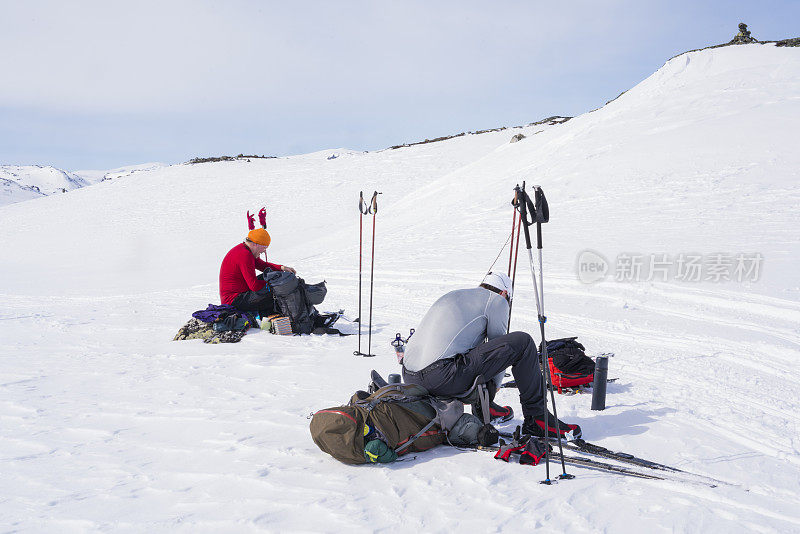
(456, 323)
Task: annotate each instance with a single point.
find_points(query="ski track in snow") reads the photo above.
(108, 425)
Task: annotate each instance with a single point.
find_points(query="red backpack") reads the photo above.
(569, 365)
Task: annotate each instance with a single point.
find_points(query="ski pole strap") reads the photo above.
(373, 203)
(522, 206)
(362, 207)
(541, 208)
(538, 210)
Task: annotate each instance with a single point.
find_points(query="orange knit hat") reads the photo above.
(259, 236)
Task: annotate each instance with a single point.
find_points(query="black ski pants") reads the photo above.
(451, 377)
(258, 301)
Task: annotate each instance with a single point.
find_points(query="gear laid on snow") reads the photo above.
(195, 329)
(590, 449)
(569, 365)
(589, 463)
(534, 451)
(504, 450)
(402, 416)
(296, 300)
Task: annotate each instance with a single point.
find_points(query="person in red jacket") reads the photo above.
(238, 285)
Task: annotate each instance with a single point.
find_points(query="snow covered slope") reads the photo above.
(109, 425)
(19, 183)
(95, 176)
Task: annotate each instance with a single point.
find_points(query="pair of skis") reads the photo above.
(366, 209)
(665, 472)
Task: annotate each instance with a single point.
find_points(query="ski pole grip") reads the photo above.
(599, 384)
(542, 209)
(524, 203)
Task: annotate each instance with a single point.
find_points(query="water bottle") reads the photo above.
(599, 384)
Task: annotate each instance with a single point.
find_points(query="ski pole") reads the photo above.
(513, 225)
(540, 214)
(362, 210)
(374, 209)
(515, 250)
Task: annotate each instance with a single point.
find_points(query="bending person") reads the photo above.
(463, 335)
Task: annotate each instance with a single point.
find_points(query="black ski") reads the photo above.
(597, 450)
(596, 465)
(591, 448)
(586, 463)
(585, 447)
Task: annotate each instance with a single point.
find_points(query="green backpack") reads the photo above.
(403, 415)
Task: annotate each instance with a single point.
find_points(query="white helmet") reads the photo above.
(499, 281)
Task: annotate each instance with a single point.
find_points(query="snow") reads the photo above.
(108, 425)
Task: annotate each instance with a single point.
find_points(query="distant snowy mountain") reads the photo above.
(23, 182)
(106, 424)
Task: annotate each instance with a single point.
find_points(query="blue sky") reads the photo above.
(103, 84)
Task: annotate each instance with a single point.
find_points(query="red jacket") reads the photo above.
(238, 273)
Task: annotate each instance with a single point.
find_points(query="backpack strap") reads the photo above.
(412, 439)
(391, 389)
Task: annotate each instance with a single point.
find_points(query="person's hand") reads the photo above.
(288, 269)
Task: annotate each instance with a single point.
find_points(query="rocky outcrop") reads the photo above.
(227, 158)
(555, 119)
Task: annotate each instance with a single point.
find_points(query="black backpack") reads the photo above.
(295, 299)
(569, 365)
